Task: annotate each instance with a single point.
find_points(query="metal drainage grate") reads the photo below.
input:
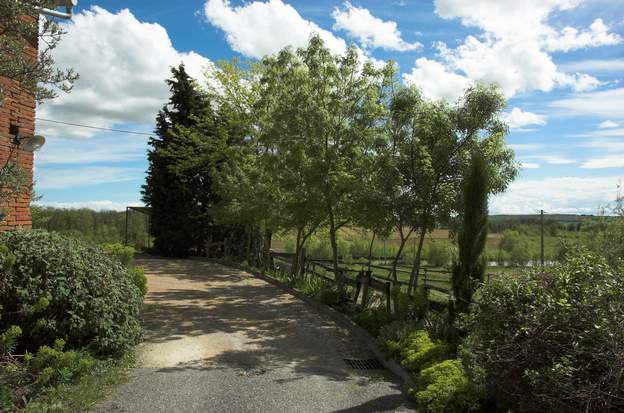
(364, 364)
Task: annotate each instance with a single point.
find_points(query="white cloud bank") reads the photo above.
(371, 31)
(513, 49)
(260, 28)
(518, 118)
(607, 124)
(122, 63)
(573, 195)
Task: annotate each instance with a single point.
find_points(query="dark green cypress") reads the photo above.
(469, 270)
(178, 186)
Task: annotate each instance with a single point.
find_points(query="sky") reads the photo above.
(560, 63)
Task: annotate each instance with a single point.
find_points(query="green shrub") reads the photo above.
(122, 253)
(392, 336)
(52, 366)
(556, 335)
(419, 351)
(372, 319)
(439, 254)
(61, 287)
(139, 279)
(328, 295)
(445, 388)
(8, 340)
(406, 307)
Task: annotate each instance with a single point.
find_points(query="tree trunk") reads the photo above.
(416, 267)
(248, 247)
(295, 260)
(266, 261)
(395, 261)
(370, 250)
(334, 245)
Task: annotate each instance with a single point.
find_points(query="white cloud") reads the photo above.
(611, 65)
(371, 31)
(607, 124)
(579, 82)
(518, 118)
(260, 28)
(550, 158)
(601, 162)
(84, 176)
(529, 165)
(605, 104)
(571, 39)
(435, 81)
(122, 63)
(93, 205)
(575, 195)
(554, 159)
(525, 146)
(513, 48)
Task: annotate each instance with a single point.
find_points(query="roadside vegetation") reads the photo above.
(330, 155)
(69, 320)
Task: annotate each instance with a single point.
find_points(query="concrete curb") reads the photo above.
(335, 315)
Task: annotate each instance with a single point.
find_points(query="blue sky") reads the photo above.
(559, 62)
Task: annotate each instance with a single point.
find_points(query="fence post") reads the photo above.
(425, 276)
(358, 285)
(388, 298)
(302, 262)
(367, 281)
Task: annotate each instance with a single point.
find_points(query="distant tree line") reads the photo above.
(99, 227)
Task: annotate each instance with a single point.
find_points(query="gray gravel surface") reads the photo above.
(221, 340)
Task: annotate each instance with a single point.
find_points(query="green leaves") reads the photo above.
(62, 288)
(556, 335)
(39, 76)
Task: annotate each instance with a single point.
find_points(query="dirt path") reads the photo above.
(221, 340)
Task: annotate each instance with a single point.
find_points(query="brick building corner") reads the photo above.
(17, 114)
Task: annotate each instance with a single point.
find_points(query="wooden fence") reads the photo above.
(364, 280)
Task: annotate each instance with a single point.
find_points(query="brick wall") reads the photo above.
(17, 113)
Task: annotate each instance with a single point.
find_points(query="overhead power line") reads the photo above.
(95, 127)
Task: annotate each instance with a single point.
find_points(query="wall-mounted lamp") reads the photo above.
(29, 143)
(69, 5)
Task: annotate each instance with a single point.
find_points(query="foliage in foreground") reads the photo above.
(557, 336)
(54, 287)
(59, 380)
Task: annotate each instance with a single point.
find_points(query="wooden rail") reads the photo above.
(364, 280)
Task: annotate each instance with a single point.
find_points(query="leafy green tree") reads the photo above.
(469, 270)
(36, 74)
(249, 194)
(178, 184)
(319, 120)
(608, 238)
(433, 142)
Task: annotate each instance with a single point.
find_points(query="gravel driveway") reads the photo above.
(220, 340)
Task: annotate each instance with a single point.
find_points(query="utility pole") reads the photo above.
(542, 237)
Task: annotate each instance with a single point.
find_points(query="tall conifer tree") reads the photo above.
(469, 270)
(177, 185)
